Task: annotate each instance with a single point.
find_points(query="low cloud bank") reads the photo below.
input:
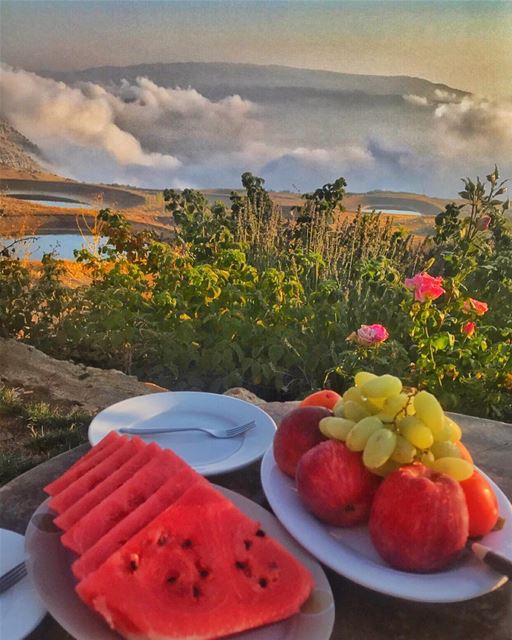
(148, 135)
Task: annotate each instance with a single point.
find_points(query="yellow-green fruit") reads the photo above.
(336, 428)
(354, 411)
(416, 432)
(338, 409)
(429, 411)
(379, 447)
(393, 406)
(427, 459)
(404, 451)
(362, 377)
(359, 434)
(454, 467)
(382, 387)
(445, 449)
(375, 405)
(384, 470)
(353, 394)
(455, 432)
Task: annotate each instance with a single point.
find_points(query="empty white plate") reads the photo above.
(351, 553)
(48, 563)
(182, 409)
(21, 609)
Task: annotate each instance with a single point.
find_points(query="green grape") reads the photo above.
(442, 434)
(455, 432)
(393, 406)
(359, 434)
(354, 411)
(382, 387)
(384, 470)
(362, 377)
(454, 467)
(339, 409)
(404, 451)
(375, 405)
(337, 428)
(429, 411)
(416, 432)
(378, 448)
(445, 449)
(427, 458)
(354, 394)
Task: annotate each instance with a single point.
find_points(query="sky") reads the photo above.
(465, 44)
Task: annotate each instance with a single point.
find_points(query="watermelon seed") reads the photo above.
(186, 544)
(248, 544)
(172, 579)
(162, 540)
(196, 591)
(204, 573)
(263, 582)
(260, 533)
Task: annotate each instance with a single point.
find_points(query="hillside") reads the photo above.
(17, 152)
(216, 80)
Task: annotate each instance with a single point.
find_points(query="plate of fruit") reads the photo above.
(147, 548)
(378, 486)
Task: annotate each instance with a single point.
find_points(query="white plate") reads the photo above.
(350, 552)
(48, 564)
(205, 454)
(21, 610)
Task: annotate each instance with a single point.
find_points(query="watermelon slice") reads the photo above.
(135, 521)
(89, 500)
(90, 479)
(93, 457)
(200, 570)
(99, 520)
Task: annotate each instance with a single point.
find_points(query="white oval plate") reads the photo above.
(49, 566)
(350, 552)
(204, 453)
(21, 609)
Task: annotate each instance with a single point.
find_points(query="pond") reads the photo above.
(63, 245)
(52, 201)
(389, 211)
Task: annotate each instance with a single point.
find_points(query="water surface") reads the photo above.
(62, 245)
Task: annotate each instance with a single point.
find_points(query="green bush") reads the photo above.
(243, 295)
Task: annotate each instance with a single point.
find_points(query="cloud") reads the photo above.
(419, 101)
(46, 110)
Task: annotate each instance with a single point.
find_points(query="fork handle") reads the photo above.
(141, 432)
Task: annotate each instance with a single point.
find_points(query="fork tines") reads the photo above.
(12, 577)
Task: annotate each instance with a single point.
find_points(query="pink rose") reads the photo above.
(425, 286)
(475, 305)
(469, 328)
(369, 334)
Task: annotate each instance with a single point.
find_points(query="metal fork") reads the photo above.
(216, 433)
(13, 576)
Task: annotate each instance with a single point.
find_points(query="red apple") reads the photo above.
(296, 434)
(334, 484)
(419, 519)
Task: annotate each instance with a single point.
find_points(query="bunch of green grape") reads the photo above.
(393, 427)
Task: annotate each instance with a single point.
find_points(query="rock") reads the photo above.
(87, 388)
(244, 394)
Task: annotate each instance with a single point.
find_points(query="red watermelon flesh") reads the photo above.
(99, 452)
(93, 477)
(89, 500)
(135, 521)
(200, 570)
(99, 520)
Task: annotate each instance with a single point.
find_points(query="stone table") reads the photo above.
(361, 614)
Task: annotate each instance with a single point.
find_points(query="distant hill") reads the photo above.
(257, 82)
(16, 151)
